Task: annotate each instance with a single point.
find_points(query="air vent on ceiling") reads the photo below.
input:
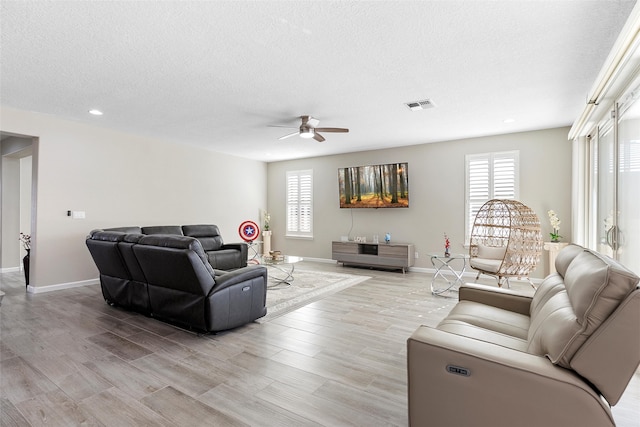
(420, 105)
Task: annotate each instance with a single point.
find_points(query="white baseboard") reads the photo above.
(10, 269)
(325, 260)
(50, 288)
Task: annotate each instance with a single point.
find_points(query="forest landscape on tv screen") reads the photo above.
(374, 186)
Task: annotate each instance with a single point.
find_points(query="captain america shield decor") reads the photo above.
(249, 231)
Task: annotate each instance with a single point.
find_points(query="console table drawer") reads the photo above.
(393, 251)
(344, 248)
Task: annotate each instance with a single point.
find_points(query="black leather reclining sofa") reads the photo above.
(223, 256)
(169, 276)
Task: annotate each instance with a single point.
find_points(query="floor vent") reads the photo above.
(420, 105)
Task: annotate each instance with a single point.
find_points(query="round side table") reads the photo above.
(446, 272)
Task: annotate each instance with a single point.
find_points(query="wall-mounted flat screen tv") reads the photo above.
(374, 186)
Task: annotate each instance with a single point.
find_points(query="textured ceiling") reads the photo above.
(219, 74)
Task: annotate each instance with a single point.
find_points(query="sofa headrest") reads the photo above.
(162, 229)
(565, 256)
(209, 235)
(107, 236)
(566, 311)
(92, 232)
(129, 229)
(596, 285)
(169, 241)
(201, 230)
(133, 237)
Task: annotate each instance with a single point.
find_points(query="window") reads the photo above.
(300, 203)
(489, 176)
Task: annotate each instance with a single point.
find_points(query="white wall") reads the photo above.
(10, 213)
(436, 183)
(120, 179)
(25, 198)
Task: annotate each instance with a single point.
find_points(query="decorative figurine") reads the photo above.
(387, 238)
(446, 246)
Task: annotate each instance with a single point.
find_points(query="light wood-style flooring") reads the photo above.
(69, 359)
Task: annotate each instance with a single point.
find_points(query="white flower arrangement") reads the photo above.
(267, 220)
(555, 224)
(26, 240)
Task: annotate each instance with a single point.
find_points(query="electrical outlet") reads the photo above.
(417, 255)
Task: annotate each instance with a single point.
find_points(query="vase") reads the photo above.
(25, 264)
(446, 252)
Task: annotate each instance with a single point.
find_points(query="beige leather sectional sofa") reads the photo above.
(558, 358)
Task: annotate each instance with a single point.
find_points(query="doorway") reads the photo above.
(16, 201)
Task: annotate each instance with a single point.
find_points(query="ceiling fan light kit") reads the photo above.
(309, 130)
(306, 131)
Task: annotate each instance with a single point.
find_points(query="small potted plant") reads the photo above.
(555, 224)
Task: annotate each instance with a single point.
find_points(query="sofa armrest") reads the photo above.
(242, 247)
(240, 275)
(505, 299)
(236, 246)
(458, 381)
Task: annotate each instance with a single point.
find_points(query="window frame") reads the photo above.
(495, 182)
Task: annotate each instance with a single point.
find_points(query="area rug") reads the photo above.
(307, 286)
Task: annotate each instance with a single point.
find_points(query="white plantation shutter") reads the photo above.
(489, 176)
(300, 203)
(504, 175)
(478, 187)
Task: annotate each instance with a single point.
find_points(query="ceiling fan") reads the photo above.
(308, 129)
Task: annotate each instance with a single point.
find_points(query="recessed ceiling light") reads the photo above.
(95, 112)
(509, 120)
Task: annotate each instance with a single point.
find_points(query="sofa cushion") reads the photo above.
(480, 333)
(484, 264)
(488, 258)
(491, 318)
(566, 311)
(179, 242)
(491, 252)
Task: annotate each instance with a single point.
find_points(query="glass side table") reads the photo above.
(446, 272)
(253, 250)
(284, 264)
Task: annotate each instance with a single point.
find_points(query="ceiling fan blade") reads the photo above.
(289, 135)
(313, 122)
(318, 137)
(332, 129)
